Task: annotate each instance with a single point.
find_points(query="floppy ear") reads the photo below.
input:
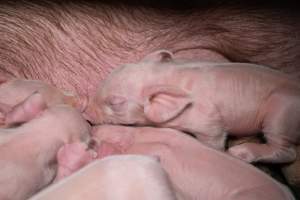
(164, 102)
(159, 56)
(26, 110)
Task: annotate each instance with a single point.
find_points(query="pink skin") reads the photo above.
(177, 153)
(196, 171)
(15, 91)
(207, 99)
(72, 157)
(126, 177)
(28, 152)
(74, 45)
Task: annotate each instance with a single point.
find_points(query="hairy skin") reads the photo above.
(74, 45)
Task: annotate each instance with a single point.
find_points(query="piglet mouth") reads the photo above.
(91, 114)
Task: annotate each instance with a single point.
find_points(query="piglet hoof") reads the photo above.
(243, 153)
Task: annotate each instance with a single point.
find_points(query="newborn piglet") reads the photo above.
(28, 152)
(208, 99)
(195, 170)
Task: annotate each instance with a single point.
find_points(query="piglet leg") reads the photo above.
(253, 152)
(281, 129)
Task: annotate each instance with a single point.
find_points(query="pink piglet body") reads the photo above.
(28, 153)
(208, 99)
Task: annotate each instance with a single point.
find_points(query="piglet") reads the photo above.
(118, 177)
(14, 92)
(195, 170)
(28, 152)
(207, 99)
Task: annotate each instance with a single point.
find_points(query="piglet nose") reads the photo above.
(91, 114)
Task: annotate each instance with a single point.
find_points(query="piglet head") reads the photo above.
(114, 108)
(137, 94)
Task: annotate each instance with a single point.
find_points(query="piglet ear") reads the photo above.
(26, 110)
(164, 103)
(159, 56)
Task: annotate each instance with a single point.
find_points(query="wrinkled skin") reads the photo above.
(14, 92)
(28, 153)
(127, 177)
(195, 171)
(207, 100)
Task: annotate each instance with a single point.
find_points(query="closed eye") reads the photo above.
(116, 103)
(117, 107)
